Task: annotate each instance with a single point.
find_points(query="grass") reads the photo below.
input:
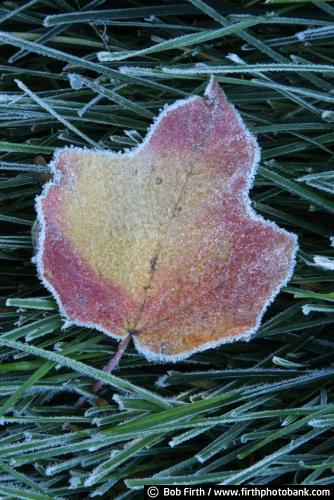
(259, 412)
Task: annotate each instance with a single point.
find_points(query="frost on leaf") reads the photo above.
(162, 241)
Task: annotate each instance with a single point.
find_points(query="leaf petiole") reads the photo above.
(110, 367)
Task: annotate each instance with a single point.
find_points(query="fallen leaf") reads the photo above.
(161, 241)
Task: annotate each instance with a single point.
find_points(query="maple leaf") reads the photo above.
(161, 242)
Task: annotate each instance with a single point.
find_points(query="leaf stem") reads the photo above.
(110, 367)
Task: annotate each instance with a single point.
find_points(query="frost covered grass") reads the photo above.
(258, 412)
